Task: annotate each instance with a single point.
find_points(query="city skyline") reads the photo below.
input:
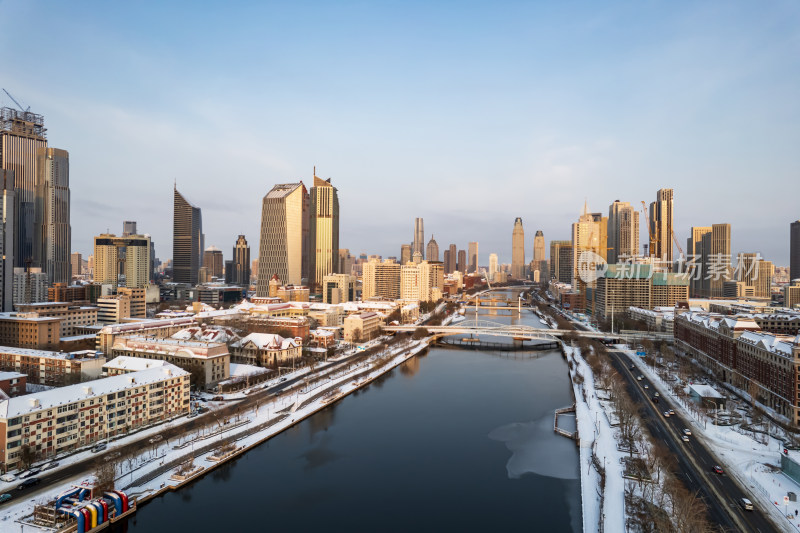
(650, 131)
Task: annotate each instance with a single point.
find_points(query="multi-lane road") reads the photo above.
(695, 462)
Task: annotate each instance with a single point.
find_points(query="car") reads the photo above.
(631, 367)
(657, 394)
(666, 414)
(745, 504)
(51, 464)
(687, 431)
(685, 438)
(99, 447)
(30, 482)
(217, 399)
(639, 378)
(281, 380)
(646, 386)
(8, 478)
(155, 438)
(655, 399)
(5, 497)
(28, 473)
(717, 469)
(671, 412)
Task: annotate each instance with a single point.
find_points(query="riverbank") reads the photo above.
(248, 430)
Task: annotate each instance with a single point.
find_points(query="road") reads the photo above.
(695, 462)
(87, 466)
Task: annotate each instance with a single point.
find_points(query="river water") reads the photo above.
(453, 440)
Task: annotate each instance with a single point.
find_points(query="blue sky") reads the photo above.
(467, 114)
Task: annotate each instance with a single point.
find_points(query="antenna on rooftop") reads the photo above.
(15, 101)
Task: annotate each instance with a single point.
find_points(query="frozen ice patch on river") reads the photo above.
(536, 449)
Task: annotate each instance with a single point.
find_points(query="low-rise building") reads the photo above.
(337, 288)
(361, 327)
(265, 349)
(52, 368)
(13, 383)
(72, 316)
(658, 319)
(208, 362)
(59, 420)
(151, 328)
(29, 330)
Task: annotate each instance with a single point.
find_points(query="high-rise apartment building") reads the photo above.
(418, 244)
(285, 221)
(422, 281)
(241, 262)
(473, 257)
(755, 273)
(52, 242)
(794, 250)
(129, 255)
(623, 231)
(589, 234)
(710, 266)
(432, 250)
(539, 250)
(694, 259)
(30, 285)
(7, 225)
(661, 225)
(492, 266)
(187, 240)
(380, 279)
(22, 137)
(213, 261)
(518, 250)
(324, 231)
(556, 260)
(405, 253)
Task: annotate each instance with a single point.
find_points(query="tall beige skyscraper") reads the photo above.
(77, 263)
(589, 234)
(755, 272)
(422, 281)
(492, 266)
(130, 255)
(451, 266)
(283, 249)
(52, 242)
(539, 249)
(694, 258)
(323, 231)
(405, 253)
(661, 225)
(418, 245)
(623, 231)
(714, 260)
(473, 257)
(518, 250)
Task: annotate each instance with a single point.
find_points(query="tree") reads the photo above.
(27, 454)
(197, 376)
(420, 333)
(355, 335)
(104, 476)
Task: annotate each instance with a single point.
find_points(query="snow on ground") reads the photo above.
(755, 465)
(146, 478)
(596, 435)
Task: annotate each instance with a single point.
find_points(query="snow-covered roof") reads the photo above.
(91, 389)
(116, 329)
(240, 370)
(83, 354)
(10, 375)
(207, 333)
(266, 341)
(133, 364)
(705, 391)
(777, 344)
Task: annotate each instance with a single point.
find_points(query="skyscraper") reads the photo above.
(794, 251)
(492, 266)
(461, 263)
(712, 251)
(623, 231)
(418, 245)
(661, 225)
(432, 251)
(187, 240)
(323, 231)
(285, 221)
(451, 267)
(380, 278)
(561, 270)
(473, 257)
(109, 260)
(77, 263)
(128, 227)
(587, 236)
(539, 247)
(518, 250)
(405, 253)
(7, 222)
(53, 235)
(213, 261)
(241, 262)
(22, 135)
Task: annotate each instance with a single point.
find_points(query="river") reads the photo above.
(453, 440)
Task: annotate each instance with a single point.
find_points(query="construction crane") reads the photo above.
(682, 255)
(15, 101)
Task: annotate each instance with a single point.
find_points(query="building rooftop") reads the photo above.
(83, 354)
(11, 375)
(29, 403)
(133, 364)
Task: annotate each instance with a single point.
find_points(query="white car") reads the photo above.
(639, 378)
(8, 478)
(687, 432)
(646, 386)
(685, 438)
(666, 414)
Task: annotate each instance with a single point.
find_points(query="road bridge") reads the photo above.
(486, 327)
